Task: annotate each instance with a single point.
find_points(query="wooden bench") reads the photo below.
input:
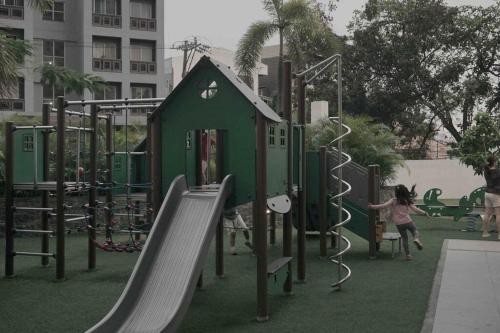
(276, 275)
(393, 237)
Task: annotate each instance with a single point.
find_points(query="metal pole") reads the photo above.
(9, 199)
(127, 155)
(199, 182)
(260, 224)
(373, 186)
(286, 105)
(45, 175)
(60, 163)
(339, 174)
(109, 167)
(219, 237)
(78, 148)
(323, 181)
(93, 189)
(301, 230)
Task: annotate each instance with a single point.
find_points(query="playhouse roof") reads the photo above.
(245, 90)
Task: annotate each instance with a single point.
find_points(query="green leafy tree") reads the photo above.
(417, 64)
(370, 142)
(481, 140)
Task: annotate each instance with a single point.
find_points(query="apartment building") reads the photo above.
(121, 41)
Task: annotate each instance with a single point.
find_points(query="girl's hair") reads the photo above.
(403, 195)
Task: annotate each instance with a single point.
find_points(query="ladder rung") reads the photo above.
(74, 219)
(41, 209)
(26, 231)
(34, 254)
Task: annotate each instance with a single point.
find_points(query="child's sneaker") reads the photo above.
(409, 257)
(418, 244)
(486, 235)
(233, 250)
(249, 245)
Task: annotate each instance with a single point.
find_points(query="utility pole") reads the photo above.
(189, 49)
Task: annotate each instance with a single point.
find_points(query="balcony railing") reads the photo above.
(107, 65)
(108, 21)
(15, 12)
(142, 67)
(12, 105)
(146, 24)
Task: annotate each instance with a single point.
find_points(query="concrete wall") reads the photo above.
(455, 179)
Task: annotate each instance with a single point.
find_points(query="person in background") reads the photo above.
(492, 195)
(400, 214)
(234, 222)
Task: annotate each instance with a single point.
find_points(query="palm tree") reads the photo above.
(284, 18)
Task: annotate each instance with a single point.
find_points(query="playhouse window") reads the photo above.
(282, 137)
(207, 89)
(271, 135)
(28, 143)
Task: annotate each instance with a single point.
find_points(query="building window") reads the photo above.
(27, 143)
(106, 49)
(13, 98)
(106, 7)
(12, 9)
(51, 92)
(142, 9)
(272, 135)
(111, 91)
(142, 91)
(53, 52)
(55, 12)
(142, 57)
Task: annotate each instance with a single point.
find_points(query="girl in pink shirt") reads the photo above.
(400, 214)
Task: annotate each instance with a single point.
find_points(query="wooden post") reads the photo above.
(219, 236)
(301, 230)
(9, 199)
(156, 165)
(272, 225)
(93, 189)
(260, 223)
(60, 188)
(373, 197)
(149, 193)
(323, 203)
(45, 175)
(286, 104)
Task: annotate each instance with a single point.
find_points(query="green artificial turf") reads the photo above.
(384, 295)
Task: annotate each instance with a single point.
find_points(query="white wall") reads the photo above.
(455, 179)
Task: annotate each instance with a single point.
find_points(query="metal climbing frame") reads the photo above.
(343, 187)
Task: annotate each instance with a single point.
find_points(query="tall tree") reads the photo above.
(418, 64)
(285, 17)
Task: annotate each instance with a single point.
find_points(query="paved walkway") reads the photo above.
(466, 293)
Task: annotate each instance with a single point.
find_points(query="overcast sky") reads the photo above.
(221, 23)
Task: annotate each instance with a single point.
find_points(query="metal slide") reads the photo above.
(164, 279)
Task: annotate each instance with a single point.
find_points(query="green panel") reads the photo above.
(24, 156)
(277, 159)
(227, 110)
(359, 218)
(119, 173)
(312, 177)
(275, 282)
(297, 153)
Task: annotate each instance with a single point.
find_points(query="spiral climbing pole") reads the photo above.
(342, 244)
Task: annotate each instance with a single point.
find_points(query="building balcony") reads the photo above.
(16, 105)
(142, 67)
(107, 65)
(144, 24)
(12, 11)
(107, 21)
